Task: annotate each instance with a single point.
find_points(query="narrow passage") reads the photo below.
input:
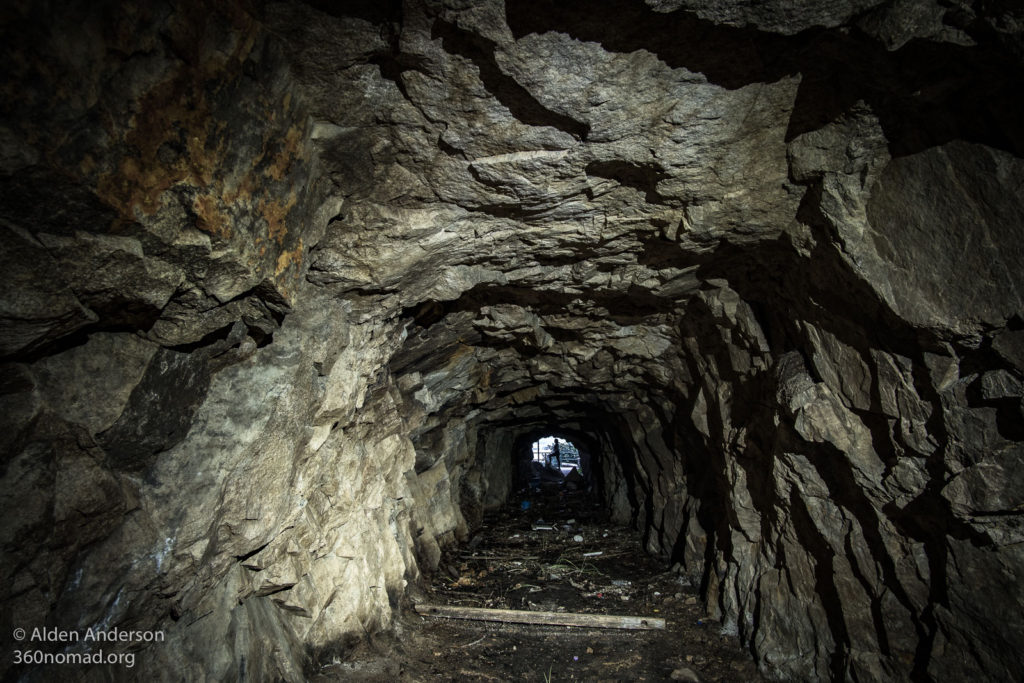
(558, 554)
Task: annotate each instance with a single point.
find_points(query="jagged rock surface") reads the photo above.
(286, 293)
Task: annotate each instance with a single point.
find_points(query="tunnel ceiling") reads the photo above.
(287, 281)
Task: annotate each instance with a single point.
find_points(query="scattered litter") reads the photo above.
(578, 538)
(474, 642)
(527, 564)
(525, 505)
(685, 674)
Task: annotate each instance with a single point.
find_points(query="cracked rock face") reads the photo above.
(290, 285)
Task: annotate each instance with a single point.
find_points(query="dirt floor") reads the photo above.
(560, 555)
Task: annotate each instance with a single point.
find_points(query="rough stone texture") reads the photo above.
(289, 286)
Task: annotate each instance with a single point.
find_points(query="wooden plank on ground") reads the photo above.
(548, 618)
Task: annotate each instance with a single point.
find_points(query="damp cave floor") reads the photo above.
(509, 564)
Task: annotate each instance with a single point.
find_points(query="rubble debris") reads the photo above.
(519, 569)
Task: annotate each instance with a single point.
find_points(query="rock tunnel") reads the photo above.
(287, 284)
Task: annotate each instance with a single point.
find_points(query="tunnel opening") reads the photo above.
(556, 458)
(558, 453)
(555, 461)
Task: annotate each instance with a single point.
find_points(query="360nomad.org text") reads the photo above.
(81, 647)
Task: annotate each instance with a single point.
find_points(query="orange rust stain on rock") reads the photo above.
(210, 218)
(172, 110)
(135, 185)
(205, 162)
(289, 153)
(175, 137)
(276, 213)
(176, 113)
(288, 258)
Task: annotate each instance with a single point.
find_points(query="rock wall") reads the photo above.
(290, 283)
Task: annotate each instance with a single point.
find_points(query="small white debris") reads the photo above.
(578, 538)
(685, 673)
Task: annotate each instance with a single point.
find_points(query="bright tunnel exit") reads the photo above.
(558, 454)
